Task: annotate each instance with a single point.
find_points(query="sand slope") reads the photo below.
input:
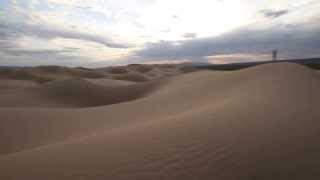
(43, 74)
(131, 73)
(144, 72)
(257, 123)
(74, 93)
(11, 84)
(110, 82)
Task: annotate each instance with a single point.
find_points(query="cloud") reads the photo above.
(85, 4)
(12, 53)
(40, 57)
(32, 53)
(291, 42)
(46, 32)
(67, 32)
(274, 13)
(190, 35)
(42, 37)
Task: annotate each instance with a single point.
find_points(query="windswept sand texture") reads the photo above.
(257, 123)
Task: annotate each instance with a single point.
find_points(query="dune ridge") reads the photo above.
(145, 72)
(73, 93)
(256, 123)
(44, 74)
(132, 73)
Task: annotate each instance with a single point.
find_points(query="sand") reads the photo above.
(43, 74)
(144, 72)
(11, 84)
(257, 123)
(73, 93)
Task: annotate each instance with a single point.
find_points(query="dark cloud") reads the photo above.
(12, 54)
(5, 44)
(71, 48)
(175, 16)
(190, 35)
(4, 32)
(45, 32)
(32, 53)
(274, 13)
(294, 42)
(19, 57)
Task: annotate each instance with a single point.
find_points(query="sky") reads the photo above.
(95, 33)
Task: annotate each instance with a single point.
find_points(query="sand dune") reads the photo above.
(144, 72)
(43, 74)
(256, 123)
(11, 84)
(110, 82)
(74, 93)
(134, 72)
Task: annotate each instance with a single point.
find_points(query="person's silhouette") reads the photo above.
(274, 55)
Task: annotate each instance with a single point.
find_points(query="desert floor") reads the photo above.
(160, 122)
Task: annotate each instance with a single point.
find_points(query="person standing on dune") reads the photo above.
(274, 55)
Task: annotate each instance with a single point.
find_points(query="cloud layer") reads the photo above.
(51, 33)
(291, 42)
(134, 31)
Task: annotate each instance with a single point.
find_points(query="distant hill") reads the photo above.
(8, 67)
(44, 74)
(133, 72)
(313, 63)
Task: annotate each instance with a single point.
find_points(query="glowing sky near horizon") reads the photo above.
(107, 32)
